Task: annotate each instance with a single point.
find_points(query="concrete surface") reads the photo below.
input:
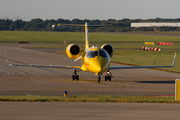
(88, 111)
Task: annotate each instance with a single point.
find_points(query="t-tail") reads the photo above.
(86, 30)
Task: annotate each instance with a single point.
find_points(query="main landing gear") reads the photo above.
(99, 77)
(75, 76)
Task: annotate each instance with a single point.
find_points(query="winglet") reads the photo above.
(174, 59)
(6, 57)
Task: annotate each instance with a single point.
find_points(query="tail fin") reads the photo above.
(86, 36)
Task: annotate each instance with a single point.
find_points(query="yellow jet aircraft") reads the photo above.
(93, 59)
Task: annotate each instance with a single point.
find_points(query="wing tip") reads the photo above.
(6, 58)
(174, 59)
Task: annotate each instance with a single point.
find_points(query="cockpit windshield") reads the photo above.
(103, 53)
(94, 53)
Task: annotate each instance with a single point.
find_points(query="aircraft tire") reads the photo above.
(73, 77)
(99, 79)
(105, 78)
(77, 77)
(109, 78)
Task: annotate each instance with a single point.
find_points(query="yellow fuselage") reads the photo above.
(98, 63)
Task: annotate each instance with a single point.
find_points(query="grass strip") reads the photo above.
(69, 37)
(91, 98)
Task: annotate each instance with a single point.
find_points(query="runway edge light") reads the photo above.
(177, 89)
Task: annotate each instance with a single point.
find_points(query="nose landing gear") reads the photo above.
(108, 76)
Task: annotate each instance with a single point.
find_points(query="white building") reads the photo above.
(154, 24)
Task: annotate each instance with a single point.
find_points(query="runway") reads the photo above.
(17, 81)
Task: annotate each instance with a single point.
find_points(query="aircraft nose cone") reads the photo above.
(98, 68)
(98, 65)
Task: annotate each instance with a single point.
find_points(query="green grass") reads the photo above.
(40, 37)
(90, 98)
(69, 37)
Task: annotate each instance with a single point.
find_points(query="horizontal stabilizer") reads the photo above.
(75, 25)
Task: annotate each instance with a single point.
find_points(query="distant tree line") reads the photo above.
(118, 25)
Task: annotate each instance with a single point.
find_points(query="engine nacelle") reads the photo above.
(73, 51)
(109, 48)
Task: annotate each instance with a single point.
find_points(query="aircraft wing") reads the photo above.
(42, 66)
(46, 66)
(131, 67)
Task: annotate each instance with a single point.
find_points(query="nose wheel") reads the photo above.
(108, 76)
(75, 76)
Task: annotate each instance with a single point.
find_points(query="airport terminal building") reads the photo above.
(156, 24)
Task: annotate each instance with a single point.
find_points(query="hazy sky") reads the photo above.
(89, 9)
